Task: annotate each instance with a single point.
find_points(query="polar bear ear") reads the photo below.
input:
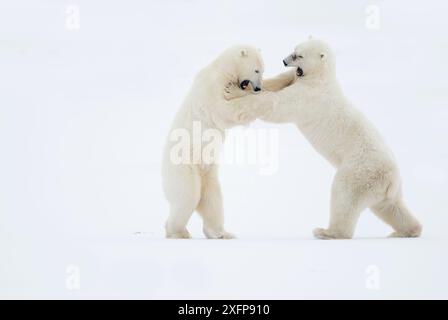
(244, 53)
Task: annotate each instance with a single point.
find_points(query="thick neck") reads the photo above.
(224, 71)
(322, 76)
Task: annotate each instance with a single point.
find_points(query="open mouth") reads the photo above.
(299, 72)
(244, 84)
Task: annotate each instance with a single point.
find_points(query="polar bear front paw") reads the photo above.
(232, 91)
(327, 234)
(223, 235)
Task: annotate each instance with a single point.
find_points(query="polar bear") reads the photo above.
(367, 175)
(192, 183)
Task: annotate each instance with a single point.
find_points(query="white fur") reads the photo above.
(195, 186)
(367, 175)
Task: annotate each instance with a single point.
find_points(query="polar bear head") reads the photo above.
(244, 65)
(311, 58)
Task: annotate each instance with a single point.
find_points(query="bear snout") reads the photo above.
(244, 84)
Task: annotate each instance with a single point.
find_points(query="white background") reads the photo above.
(83, 119)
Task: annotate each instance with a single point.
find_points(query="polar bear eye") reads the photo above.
(257, 71)
(300, 57)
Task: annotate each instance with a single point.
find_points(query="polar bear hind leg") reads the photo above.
(348, 200)
(344, 216)
(211, 207)
(397, 215)
(183, 197)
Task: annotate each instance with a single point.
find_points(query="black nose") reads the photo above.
(285, 63)
(256, 89)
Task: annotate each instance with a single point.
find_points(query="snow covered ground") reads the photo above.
(88, 90)
(149, 267)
